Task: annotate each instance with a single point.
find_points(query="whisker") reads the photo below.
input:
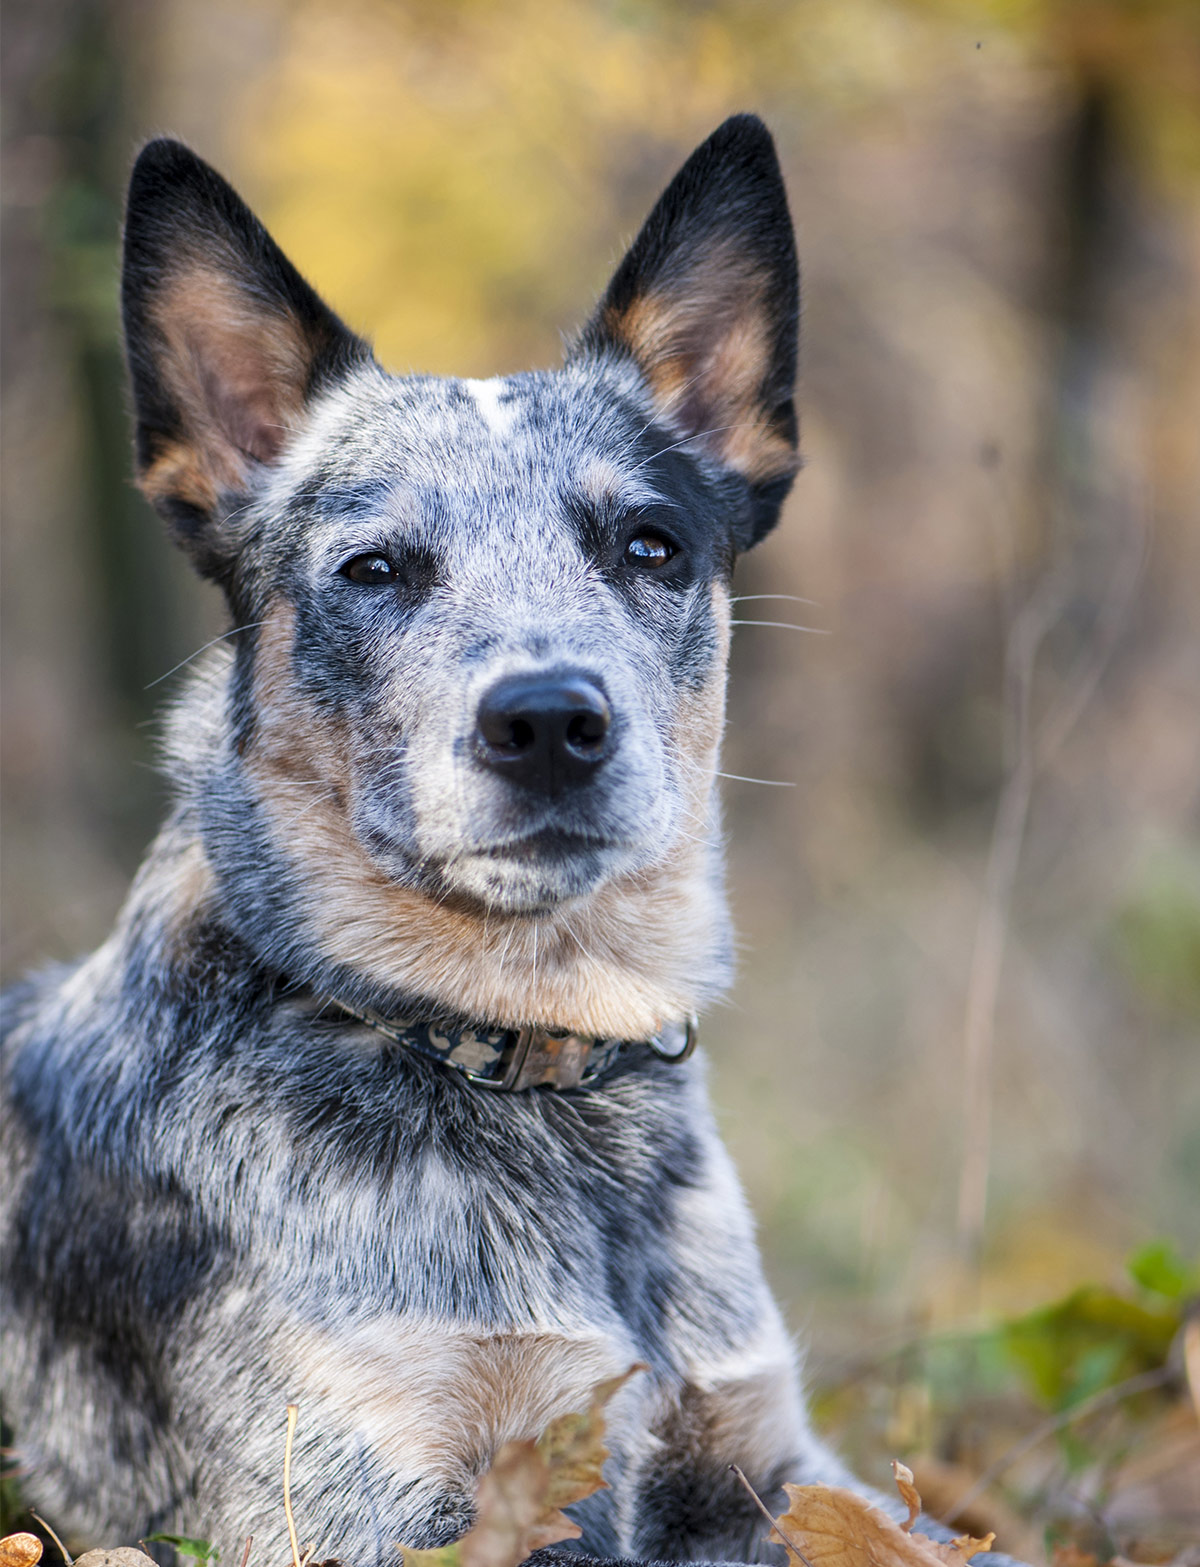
(320, 799)
(661, 413)
(791, 598)
(504, 954)
(771, 783)
(570, 932)
(717, 429)
(232, 632)
(692, 837)
(784, 625)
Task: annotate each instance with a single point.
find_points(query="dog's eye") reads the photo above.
(648, 550)
(370, 571)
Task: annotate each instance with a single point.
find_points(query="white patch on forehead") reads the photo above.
(499, 416)
(604, 480)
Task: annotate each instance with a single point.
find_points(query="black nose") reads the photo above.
(546, 731)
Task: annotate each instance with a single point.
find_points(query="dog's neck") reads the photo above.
(643, 950)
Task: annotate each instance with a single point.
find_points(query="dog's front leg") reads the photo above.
(688, 1505)
(686, 1502)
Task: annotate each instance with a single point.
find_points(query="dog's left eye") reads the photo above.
(370, 571)
(648, 550)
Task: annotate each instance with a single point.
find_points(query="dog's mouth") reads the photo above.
(548, 844)
(534, 872)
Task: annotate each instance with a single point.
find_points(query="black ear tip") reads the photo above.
(741, 136)
(163, 155)
(165, 164)
(745, 127)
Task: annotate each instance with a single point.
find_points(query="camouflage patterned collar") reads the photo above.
(512, 1059)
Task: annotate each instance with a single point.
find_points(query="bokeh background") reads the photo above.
(960, 1067)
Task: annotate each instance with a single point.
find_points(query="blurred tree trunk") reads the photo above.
(90, 609)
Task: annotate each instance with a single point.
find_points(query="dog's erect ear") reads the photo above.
(226, 344)
(707, 302)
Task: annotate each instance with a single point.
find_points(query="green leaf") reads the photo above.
(202, 1550)
(1159, 1268)
(1093, 1339)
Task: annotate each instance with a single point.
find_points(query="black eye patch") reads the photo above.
(412, 569)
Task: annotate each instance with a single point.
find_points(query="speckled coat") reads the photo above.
(221, 1192)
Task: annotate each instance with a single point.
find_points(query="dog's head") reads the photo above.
(479, 690)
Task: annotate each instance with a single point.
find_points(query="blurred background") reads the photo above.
(960, 1067)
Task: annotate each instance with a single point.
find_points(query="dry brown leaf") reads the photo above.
(520, 1499)
(513, 1517)
(120, 1556)
(956, 1552)
(907, 1486)
(573, 1445)
(1191, 1361)
(20, 1550)
(828, 1526)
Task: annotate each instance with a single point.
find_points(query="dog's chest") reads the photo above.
(420, 1196)
(433, 1401)
(446, 1269)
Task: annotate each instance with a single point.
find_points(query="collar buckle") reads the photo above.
(539, 1057)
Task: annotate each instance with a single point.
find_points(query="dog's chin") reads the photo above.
(534, 876)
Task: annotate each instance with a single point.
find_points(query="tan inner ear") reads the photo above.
(237, 372)
(705, 346)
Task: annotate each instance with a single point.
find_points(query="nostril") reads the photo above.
(520, 735)
(586, 731)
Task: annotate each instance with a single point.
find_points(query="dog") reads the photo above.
(380, 1097)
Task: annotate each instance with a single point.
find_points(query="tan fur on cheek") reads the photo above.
(621, 963)
(700, 715)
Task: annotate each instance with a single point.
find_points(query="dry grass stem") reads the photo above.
(293, 1414)
(1027, 752)
(774, 1522)
(66, 1555)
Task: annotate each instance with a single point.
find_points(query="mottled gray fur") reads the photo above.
(221, 1193)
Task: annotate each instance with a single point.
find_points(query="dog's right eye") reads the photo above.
(370, 571)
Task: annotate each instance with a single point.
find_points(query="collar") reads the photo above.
(512, 1059)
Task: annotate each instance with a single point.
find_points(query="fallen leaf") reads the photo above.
(520, 1499)
(1191, 1360)
(122, 1556)
(907, 1486)
(828, 1526)
(20, 1550)
(514, 1517)
(956, 1552)
(573, 1445)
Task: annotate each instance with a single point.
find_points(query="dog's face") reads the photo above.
(487, 621)
(509, 597)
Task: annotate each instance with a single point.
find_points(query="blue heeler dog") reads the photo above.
(368, 1103)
